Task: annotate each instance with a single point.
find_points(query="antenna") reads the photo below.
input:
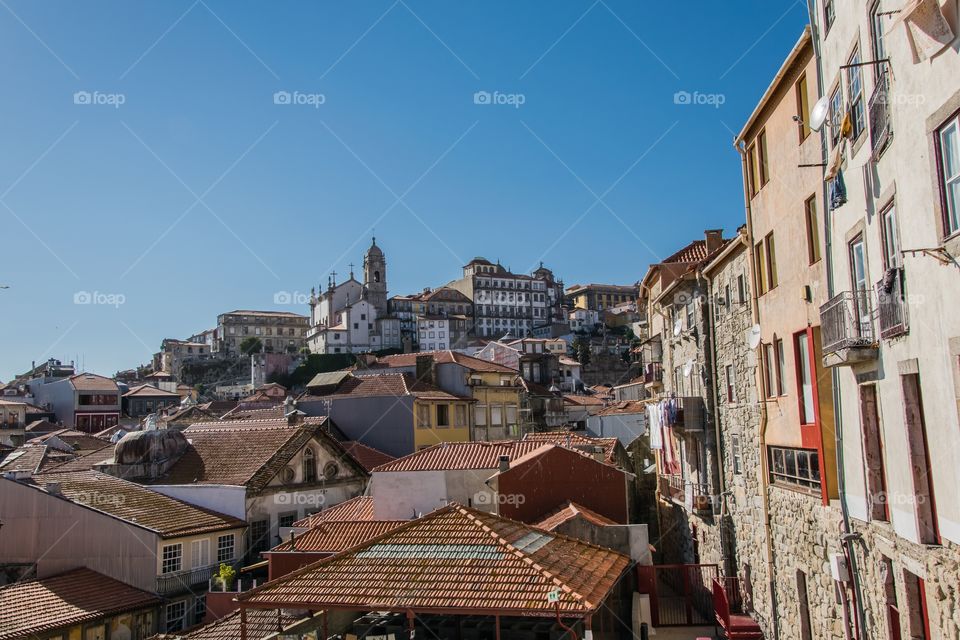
(818, 115)
(753, 336)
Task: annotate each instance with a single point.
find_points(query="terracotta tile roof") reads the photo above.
(255, 411)
(93, 382)
(627, 406)
(568, 512)
(576, 441)
(85, 461)
(135, 504)
(693, 252)
(455, 559)
(218, 407)
(359, 508)
(261, 623)
(245, 453)
(257, 422)
(368, 457)
(443, 357)
(338, 535)
(41, 426)
(585, 401)
(388, 384)
(35, 607)
(34, 458)
(450, 456)
(79, 440)
(149, 391)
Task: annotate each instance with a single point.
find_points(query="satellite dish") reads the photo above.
(687, 368)
(677, 327)
(818, 115)
(753, 336)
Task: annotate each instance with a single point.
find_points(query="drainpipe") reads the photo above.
(847, 539)
(711, 344)
(764, 472)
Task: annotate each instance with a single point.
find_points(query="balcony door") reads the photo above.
(858, 276)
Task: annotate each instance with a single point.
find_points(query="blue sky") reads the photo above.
(176, 184)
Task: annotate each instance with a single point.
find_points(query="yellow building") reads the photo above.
(440, 417)
(598, 297)
(492, 389)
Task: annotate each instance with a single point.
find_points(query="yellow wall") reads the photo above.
(425, 436)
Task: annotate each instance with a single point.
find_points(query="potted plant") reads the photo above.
(225, 577)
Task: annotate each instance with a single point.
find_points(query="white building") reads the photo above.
(351, 317)
(891, 329)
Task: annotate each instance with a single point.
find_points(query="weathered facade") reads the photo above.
(891, 327)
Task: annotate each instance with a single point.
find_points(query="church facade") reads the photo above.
(351, 317)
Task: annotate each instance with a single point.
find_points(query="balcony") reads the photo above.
(653, 374)
(671, 486)
(891, 305)
(686, 413)
(846, 322)
(186, 580)
(879, 114)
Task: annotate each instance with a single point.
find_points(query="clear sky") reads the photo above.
(147, 157)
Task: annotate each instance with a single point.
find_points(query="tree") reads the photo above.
(250, 345)
(582, 349)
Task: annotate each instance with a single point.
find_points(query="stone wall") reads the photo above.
(805, 533)
(939, 567)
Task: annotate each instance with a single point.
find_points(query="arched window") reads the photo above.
(376, 276)
(309, 466)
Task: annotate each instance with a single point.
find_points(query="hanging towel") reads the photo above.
(838, 192)
(927, 29)
(653, 419)
(836, 159)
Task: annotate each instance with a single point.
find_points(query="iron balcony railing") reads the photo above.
(891, 304)
(879, 114)
(178, 581)
(846, 321)
(671, 486)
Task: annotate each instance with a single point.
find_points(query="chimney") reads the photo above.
(714, 239)
(425, 369)
(598, 454)
(504, 463)
(293, 541)
(53, 488)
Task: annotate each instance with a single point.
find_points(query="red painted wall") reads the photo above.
(281, 564)
(532, 488)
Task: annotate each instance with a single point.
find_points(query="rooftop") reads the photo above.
(387, 384)
(568, 512)
(451, 456)
(442, 357)
(337, 535)
(455, 560)
(367, 456)
(261, 623)
(242, 452)
(92, 382)
(148, 390)
(133, 503)
(33, 608)
(359, 508)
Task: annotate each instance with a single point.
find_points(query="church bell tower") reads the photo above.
(375, 278)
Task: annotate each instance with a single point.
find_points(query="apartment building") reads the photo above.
(675, 293)
(891, 327)
(507, 303)
(601, 297)
(279, 331)
(796, 475)
(61, 521)
(86, 401)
